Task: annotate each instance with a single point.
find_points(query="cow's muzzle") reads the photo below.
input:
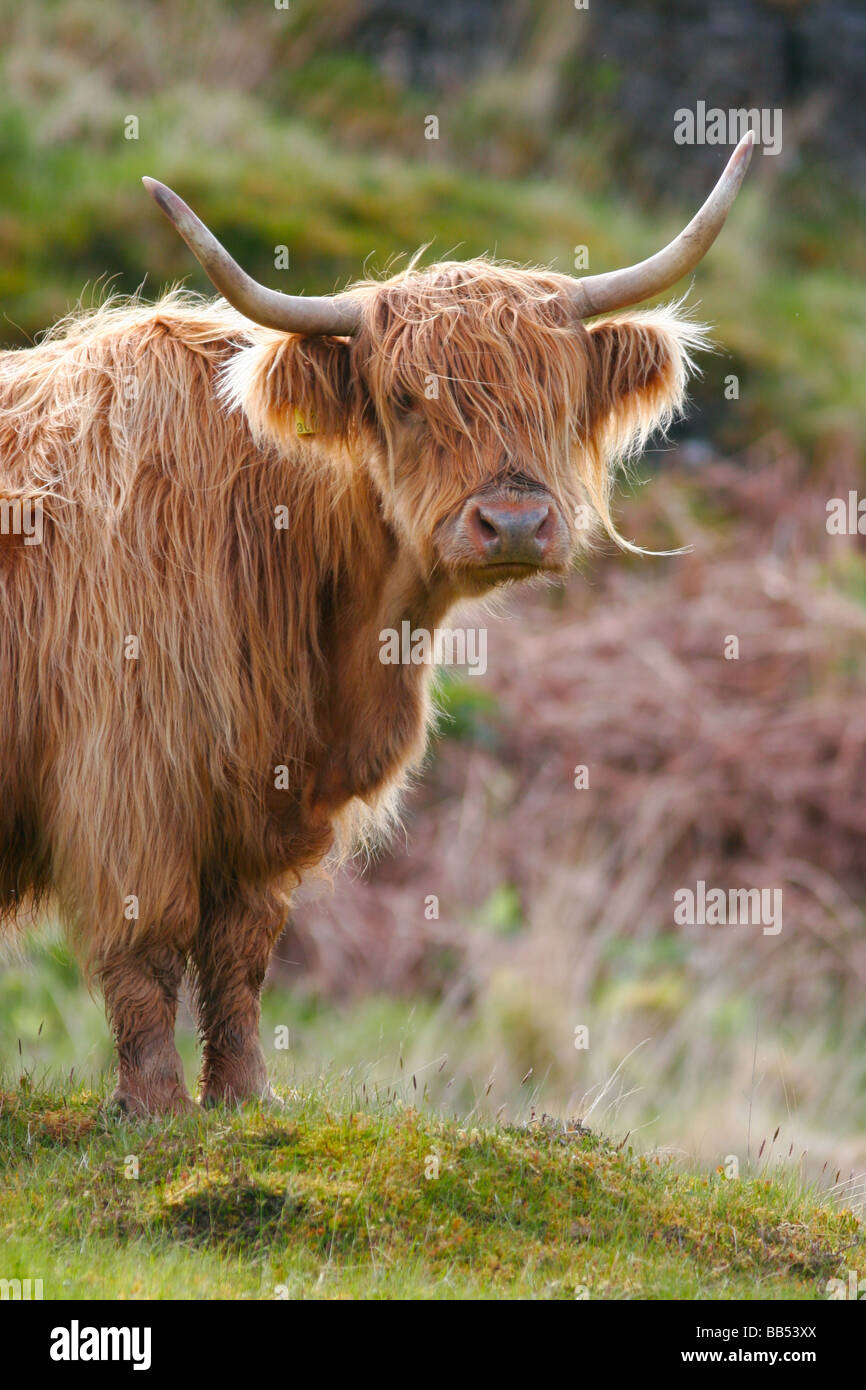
(506, 534)
(511, 533)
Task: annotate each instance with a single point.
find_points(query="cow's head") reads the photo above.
(486, 410)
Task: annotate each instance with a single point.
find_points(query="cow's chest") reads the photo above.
(372, 734)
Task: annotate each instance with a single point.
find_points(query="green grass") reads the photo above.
(328, 1196)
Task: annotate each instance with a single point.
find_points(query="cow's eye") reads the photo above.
(404, 402)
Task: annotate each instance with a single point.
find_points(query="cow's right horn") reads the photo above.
(616, 289)
(334, 314)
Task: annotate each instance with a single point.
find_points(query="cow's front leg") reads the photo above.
(140, 983)
(230, 957)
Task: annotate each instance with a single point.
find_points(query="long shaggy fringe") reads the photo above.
(491, 361)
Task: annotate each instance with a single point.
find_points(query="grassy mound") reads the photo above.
(342, 1195)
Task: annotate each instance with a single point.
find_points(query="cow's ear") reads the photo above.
(639, 369)
(292, 387)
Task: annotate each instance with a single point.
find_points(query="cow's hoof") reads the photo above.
(133, 1105)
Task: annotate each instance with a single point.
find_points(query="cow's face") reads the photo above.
(500, 414)
(486, 413)
(483, 410)
(476, 378)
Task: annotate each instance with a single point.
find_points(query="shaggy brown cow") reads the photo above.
(234, 506)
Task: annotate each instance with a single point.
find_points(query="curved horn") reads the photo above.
(291, 313)
(598, 294)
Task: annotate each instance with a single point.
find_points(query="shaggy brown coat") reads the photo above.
(193, 707)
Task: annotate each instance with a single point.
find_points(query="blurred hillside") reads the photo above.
(305, 128)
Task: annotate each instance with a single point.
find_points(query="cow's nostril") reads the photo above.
(487, 529)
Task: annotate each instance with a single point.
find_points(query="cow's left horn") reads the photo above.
(338, 314)
(599, 294)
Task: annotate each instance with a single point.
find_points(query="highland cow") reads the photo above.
(236, 499)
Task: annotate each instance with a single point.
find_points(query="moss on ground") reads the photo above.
(336, 1195)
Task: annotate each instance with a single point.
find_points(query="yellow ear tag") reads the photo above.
(303, 427)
